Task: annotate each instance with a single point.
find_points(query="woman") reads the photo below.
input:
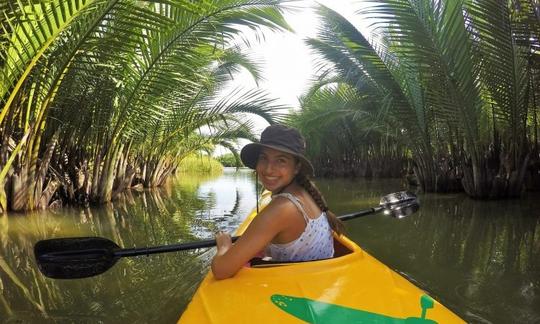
(296, 225)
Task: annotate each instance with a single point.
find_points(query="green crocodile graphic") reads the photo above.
(313, 311)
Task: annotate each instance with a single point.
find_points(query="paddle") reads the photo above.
(80, 257)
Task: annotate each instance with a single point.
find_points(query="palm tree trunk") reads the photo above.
(125, 172)
(40, 200)
(108, 172)
(534, 112)
(47, 194)
(425, 170)
(96, 172)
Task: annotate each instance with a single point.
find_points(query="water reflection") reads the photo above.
(479, 258)
(145, 289)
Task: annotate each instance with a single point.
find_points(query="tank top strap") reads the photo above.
(296, 202)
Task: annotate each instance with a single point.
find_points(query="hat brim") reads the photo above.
(250, 154)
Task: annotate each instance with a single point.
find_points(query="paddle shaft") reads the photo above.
(167, 248)
(209, 243)
(120, 253)
(82, 257)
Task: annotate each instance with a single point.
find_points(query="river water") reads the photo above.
(481, 259)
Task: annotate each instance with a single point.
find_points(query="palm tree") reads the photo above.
(91, 81)
(343, 141)
(436, 74)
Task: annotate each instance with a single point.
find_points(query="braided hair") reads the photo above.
(311, 188)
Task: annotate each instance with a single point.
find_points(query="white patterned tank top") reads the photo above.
(315, 243)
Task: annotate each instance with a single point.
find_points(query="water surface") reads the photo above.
(480, 259)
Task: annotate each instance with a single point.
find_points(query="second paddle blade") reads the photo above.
(71, 258)
(398, 198)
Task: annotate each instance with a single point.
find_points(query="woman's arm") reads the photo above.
(269, 223)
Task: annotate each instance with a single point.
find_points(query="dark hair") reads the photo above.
(304, 181)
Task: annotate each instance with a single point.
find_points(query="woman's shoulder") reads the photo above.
(280, 207)
(276, 216)
(281, 202)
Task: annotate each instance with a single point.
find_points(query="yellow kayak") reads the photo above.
(352, 287)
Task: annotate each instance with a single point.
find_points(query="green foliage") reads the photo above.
(456, 79)
(229, 160)
(199, 163)
(123, 87)
(342, 138)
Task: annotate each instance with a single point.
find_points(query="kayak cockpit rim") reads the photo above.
(341, 248)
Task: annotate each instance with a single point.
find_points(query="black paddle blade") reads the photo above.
(71, 258)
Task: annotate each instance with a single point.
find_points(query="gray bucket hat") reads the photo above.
(281, 138)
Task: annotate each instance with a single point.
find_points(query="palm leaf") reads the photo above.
(29, 30)
(376, 72)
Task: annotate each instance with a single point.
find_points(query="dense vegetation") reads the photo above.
(230, 160)
(200, 164)
(451, 84)
(98, 95)
(340, 143)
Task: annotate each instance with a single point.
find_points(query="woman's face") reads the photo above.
(276, 169)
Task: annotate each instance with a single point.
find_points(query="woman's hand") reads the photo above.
(223, 242)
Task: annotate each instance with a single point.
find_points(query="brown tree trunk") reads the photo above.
(42, 173)
(482, 182)
(48, 193)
